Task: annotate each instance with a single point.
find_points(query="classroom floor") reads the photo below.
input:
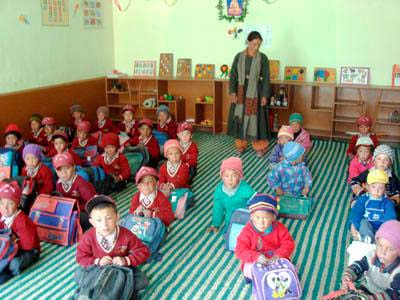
(195, 264)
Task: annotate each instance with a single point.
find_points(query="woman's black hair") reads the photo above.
(254, 35)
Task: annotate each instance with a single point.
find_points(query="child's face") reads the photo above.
(382, 162)
(35, 125)
(296, 126)
(185, 136)
(385, 251)
(262, 219)
(163, 117)
(363, 129)
(11, 140)
(7, 207)
(145, 131)
(65, 173)
(363, 152)
(110, 150)
(105, 220)
(77, 115)
(128, 116)
(82, 135)
(376, 190)
(230, 178)
(101, 116)
(49, 129)
(147, 185)
(31, 161)
(174, 155)
(59, 145)
(283, 139)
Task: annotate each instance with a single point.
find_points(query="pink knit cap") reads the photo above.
(232, 163)
(390, 230)
(172, 143)
(287, 131)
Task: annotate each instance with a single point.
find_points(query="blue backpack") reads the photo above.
(137, 157)
(96, 176)
(239, 219)
(88, 154)
(161, 137)
(8, 163)
(181, 200)
(8, 248)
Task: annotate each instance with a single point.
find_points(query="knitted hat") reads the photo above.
(13, 129)
(96, 200)
(364, 141)
(59, 134)
(292, 151)
(128, 107)
(110, 138)
(147, 122)
(10, 190)
(49, 121)
(232, 163)
(76, 107)
(62, 160)
(83, 126)
(286, 131)
(263, 202)
(384, 149)
(36, 117)
(364, 120)
(184, 126)
(377, 176)
(171, 143)
(33, 149)
(162, 108)
(296, 117)
(104, 110)
(144, 171)
(390, 230)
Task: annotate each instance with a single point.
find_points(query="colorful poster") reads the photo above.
(92, 13)
(55, 12)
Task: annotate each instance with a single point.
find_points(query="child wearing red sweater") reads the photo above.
(84, 144)
(77, 113)
(148, 202)
(129, 125)
(71, 185)
(190, 151)
(37, 135)
(363, 159)
(165, 122)
(49, 125)
(104, 124)
(21, 226)
(264, 238)
(59, 145)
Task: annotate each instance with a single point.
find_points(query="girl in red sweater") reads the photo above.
(104, 124)
(129, 125)
(49, 127)
(84, 144)
(165, 122)
(189, 148)
(59, 145)
(37, 135)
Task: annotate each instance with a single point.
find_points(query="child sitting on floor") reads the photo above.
(372, 209)
(129, 125)
(165, 122)
(291, 176)
(364, 124)
(285, 134)
(264, 238)
(13, 139)
(72, 185)
(78, 114)
(49, 127)
(379, 270)
(148, 202)
(84, 144)
(231, 193)
(59, 145)
(189, 148)
(363, 159)
(104, 124)
(301, 136)
(37, 135)
(22, 228)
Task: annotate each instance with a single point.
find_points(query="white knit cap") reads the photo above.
(384, 149)
(364, 141)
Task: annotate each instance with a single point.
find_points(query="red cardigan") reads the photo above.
(279, 242)
(77, 160)
(133, 132)
(25, 230)
(80, 190)
(109, 126)
(127, 245)
(91, 141)
(190, 155)
(43, 178)
(118, 166)
(151, 145)
(170, 128)
(40, 139)
(180, 179)
(352, 144)
(160, 207)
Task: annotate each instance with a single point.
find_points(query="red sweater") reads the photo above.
(25, 230)
(160, 207)
(190, 155)
(169, 128)
(39, 139)
(127, 245)
(80, 190)
(43, 178)
(180, 179)
(109, 126)
(151, 145)
(131, 133)
(251, 243)
(119, 166)
(352, 144)
(77, 160)
(91, 141)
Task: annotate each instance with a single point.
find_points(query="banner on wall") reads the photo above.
(264, 30)
(92, 13)
(55, 12)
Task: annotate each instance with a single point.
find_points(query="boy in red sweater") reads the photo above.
(129, 125)
(22, 227)
(71, 185)
(84, 144)
(148, 202)
(49, 127)
(104, 124)
(189, 148)
(263, 238)
(165, 122)
(37, 135)
(59, 145)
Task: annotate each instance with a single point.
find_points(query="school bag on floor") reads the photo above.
(294, 207)
(8, 248)
(161, 137)
(276, 280)
(240, 217)
(56, 219)
(109, 282)
(96, 176)
(181, 200)
(137, 157)
(87, 154)
(8, 163)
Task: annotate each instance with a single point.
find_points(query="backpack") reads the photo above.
(181, 200)
(8, 163)
(294, 207)
(104, 283)
(88, 154)
(96, 176)
(161, 137)
(69, 131)
(240, 217)
(137, 157)
(276, 280)
(57, 219)
(29, 194)
(8, 248)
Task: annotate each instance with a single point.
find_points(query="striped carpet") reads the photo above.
(195, 264)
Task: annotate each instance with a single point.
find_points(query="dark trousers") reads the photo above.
(20, 262)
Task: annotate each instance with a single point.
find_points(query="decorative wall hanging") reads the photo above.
(232, 10)
(92, 13)
(354, 75)
(234, 32)
(145, 68)
(166, 65)
(325, 75)
(295, 73)
(396, 75)
(224, 71)
(23, 19)
(55, 13)
(204, 71)
(184, 68)
(274, 69)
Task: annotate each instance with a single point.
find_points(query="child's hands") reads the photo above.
(139, 211)
(305, 191)
(263, 101)
(212, 229)
(275, 257)
(279, 192)
(345, 282)
(105, 260)
(262, 259)
(354, 232)
(357, 189)
(147, 213)
(119, 261)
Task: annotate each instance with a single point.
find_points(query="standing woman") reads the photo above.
(249, 88)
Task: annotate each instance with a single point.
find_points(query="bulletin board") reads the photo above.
(92, 13)
(55, 12)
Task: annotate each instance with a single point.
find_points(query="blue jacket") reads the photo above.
(276, 154)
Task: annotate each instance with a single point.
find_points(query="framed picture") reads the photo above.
(166, 65)
(274, 69)
(325, 75)
(234, 7)
(396, 75)
(354, 75)
(295, 74)
(204, 71)
(184, 68)
(145, 68)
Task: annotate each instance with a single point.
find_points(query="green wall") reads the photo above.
(35, 55)
(311, 33)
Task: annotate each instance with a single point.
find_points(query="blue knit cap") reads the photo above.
(263, 202)
(162, 108)
(292, 151)
(296, 117)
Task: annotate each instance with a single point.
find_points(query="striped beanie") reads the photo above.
(263, 202)
(293, 151)
(384, 149)
(286, 131)
(296, 117)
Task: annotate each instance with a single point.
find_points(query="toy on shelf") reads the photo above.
(205, 99)
(280, 99)
(207, 122)
(167, 97)
(394, 117)
(150, 102)
(295, 73)
(117, 87)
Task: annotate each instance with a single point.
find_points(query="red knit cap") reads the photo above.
(144, 171)
(147, 122)
(13, 129)
(83, 126)
(10, 190)
(232, 163)
(184, 126)
(48, 121)
(364, 120)
(59, 134)
(171, 143)
(128, 107)
(62, 160)
(110, 138)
